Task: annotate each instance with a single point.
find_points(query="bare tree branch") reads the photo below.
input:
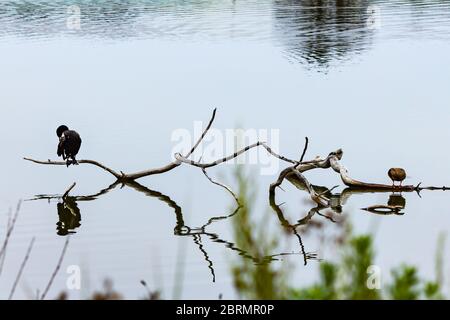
(183, 159)
(146, 173)
(331, 161)
(63, 163)
(317, 198)
(131, 176)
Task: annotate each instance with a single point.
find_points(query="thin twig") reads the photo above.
(63, 163)
(58, 266)
(203, 134)
(304, 149)
(223, 186)
(68, 190)
(183, 159)
(22, 266)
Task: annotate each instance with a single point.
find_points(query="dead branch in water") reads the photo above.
(131, 176)
(183, 159)
(63, 163)
(318, 198)
(332, 161)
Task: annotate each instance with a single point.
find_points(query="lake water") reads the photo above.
(371, 78)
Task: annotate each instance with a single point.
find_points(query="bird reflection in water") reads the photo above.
(395, 204)
(69, 216)
(397, 200)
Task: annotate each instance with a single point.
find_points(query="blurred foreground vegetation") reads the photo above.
(350, 277)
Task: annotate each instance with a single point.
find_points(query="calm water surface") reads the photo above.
(370, 77)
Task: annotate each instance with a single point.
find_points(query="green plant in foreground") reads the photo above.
(254, 278)
(350, 282)
(347, 278)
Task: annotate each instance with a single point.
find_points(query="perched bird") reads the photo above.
(397, 174)
(69, 144)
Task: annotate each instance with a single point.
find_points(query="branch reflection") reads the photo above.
(69, 218)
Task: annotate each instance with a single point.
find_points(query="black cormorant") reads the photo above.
(69, 144)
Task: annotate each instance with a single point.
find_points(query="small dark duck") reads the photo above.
(69, 144)
(397, 174)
